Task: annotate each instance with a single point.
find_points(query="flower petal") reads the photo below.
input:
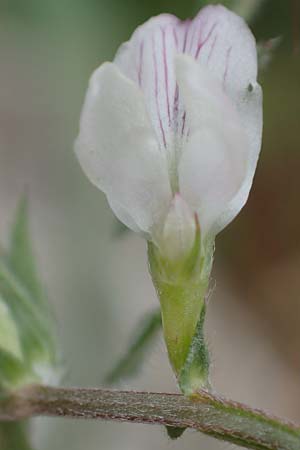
(229, 52)
(215, 159)
(218, 39)
(147, 59)
(118, 151)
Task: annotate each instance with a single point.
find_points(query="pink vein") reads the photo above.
(212, 48)
(187, 27)
(187, 24)
(183, 122)
(140, 63)
(192, 40)
(227, 64)
(176, 93)
(166, 74)
(156, 92)
(201, 43)
(175, 38)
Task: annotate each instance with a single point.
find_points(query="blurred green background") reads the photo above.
(97, 278)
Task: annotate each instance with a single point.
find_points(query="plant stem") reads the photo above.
(206, 412)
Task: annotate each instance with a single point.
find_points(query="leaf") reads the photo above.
(131, 362)
(33, 325)
(9, 336)
(24, 281)
(27, 338)
(20, 256)
(12, 370)
(175, 432)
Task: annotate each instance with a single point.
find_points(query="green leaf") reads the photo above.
(24, 285)
(20, 256)
(9, 336)
(12, 371)
(143, 338)
(27, 331)
(33, 325)
(175, 432)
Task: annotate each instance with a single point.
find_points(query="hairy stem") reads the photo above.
(211, 414)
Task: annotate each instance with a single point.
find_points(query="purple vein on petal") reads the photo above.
(166, 73)
(227, 64)
(187, 24)
(141, 63)
(156, 93)
(202, 43)
(212, 47)
(183, 123)
(175, 38)
(176, 92)
(175, 107)
(192, 40)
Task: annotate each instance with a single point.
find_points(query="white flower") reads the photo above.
(171, 132)
(177, 115)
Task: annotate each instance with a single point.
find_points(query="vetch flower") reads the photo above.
(171, 132)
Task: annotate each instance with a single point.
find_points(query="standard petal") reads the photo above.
(217, 39)
(215, 159)
(118, 150)
(147, 59)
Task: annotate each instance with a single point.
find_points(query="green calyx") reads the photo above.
(181, 287)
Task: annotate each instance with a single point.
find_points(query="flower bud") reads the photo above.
(179, 231)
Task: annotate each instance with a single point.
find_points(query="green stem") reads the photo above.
(206, 412)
